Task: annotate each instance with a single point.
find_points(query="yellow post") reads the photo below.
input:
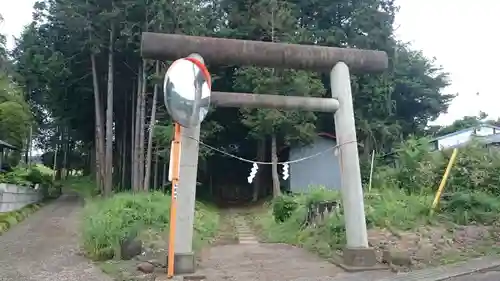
(444, 179)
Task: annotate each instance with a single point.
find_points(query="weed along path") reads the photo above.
(44, 247)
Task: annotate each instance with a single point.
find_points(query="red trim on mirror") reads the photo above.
(203, 69)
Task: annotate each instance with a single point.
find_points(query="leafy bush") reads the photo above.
(283, 207)
(31, 176)
(28, 176)
(418, 170)
(471, 207)
(476, 169)
(323, 239)
(107, 222)
(206, 223)
(403, 191)
(36, 176)
(385, 208)
(415, 168)
(17, 176)
(393, 208)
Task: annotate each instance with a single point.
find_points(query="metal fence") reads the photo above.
(14, 197)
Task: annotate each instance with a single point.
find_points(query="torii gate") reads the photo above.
(337, 61)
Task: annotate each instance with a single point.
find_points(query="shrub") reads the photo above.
(205, 224)
(30, 176)
(384, 208)
(403, 191)
(24, 175)
(476, 169)
(394, 208)
(414, 168)
(107, 222)
(283, 207)
(417, 170)
(17, 176)
(471, 207)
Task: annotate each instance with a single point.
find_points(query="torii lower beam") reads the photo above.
(224, 99)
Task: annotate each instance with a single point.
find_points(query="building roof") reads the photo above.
(4, 144)
(465, 130)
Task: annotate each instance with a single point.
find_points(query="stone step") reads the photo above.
(243, 231)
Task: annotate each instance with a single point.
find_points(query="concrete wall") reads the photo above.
(322, 170)
(14, 197)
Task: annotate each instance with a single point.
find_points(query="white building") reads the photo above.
(484, 133)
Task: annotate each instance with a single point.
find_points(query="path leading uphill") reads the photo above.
(250, 260)
(44, 247)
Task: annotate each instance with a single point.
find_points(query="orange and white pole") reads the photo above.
(175, 162)
(175, 158)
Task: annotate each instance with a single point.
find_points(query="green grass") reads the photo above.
(9, 219)
(84, 186)
(390, 209)
(44, 169)
(106, 222)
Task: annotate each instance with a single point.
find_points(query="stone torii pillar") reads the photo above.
(337, 61)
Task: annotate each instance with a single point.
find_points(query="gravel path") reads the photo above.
(264, 262)
(44, 247)
(252, 261)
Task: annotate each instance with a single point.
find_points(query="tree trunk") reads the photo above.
(155, 174)
(147, 173)
(99, 133)
(108, 180)
(137, 135)
(29, 140)
(91, 161)
(65, 148)
(261, 150)
(30, 151)
(58, 167)
(133, 119)
(164, 176)
(123, 156)
(141, 126)
(27, 155)
(69, 149)
(274, 159)
(54, 167)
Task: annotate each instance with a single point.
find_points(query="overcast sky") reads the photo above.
(460, 34)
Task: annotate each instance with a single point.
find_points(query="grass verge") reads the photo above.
(464, 226)
(83, 186)
(107, 222)
(9, 219)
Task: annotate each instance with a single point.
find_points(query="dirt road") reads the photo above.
(44, 247)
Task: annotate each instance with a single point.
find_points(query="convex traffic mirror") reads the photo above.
(187, 88)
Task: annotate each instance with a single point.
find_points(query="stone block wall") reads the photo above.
(14, 197)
